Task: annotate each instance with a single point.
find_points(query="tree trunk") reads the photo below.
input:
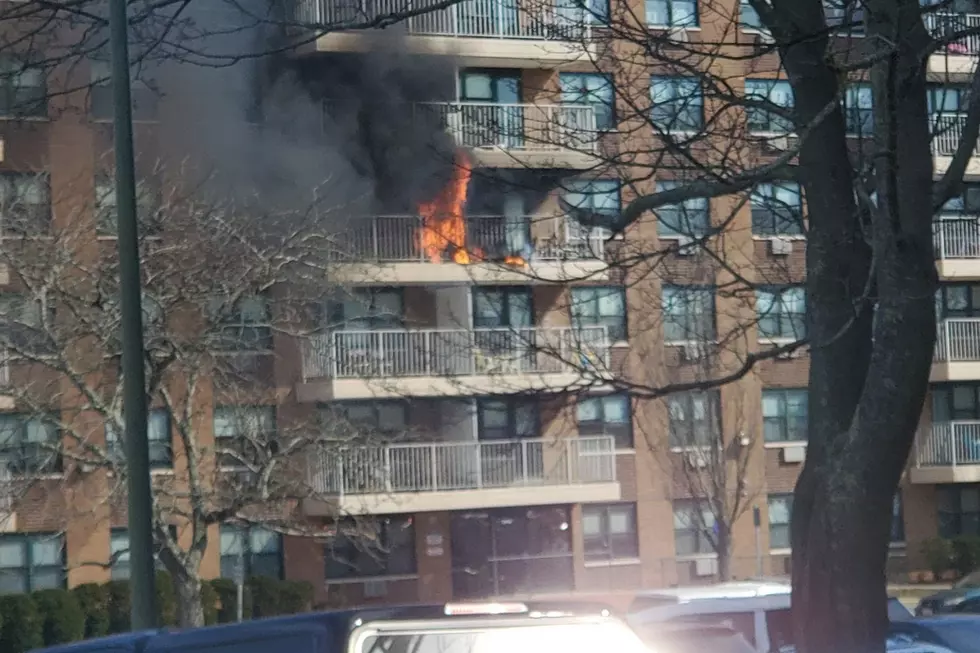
(190, 612)
(724, 552)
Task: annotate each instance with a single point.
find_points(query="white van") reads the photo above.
(759, 610)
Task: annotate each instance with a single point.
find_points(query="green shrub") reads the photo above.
(265, 596)
(227, 595)
(166, 600)
(62, 619)
(966, 554)
(21, 629)
(295, 596)
(117, 602)
(939, 556)
(209, 602)
(93, 602)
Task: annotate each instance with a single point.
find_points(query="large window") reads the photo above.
(694, 418)
(593, 89)
(30, 443)
(965, 202)
(672, 13)
(502, 307)
(31, 562)
(784, 415)
(781, 312)
(858, 112)
(23, 92)
(689, 313)
(252, 550)
(601, 306)
(158, 434)
(959, 510)
(780, 515)
(955, 401)
(958, 300)
(846, 15)
(678, 104)
(763, 92)
(748, 16)
(509, 418)
(25, 203)
(386, 418)
(777, 210)
(694, 524)
(609, 531)
(119, 553)
(690, 218)
(598, 196)
(383, 546)
(367, 309)
(148, 203)
(243, 432)
(144, 97)
(242, 325)
(607, 415)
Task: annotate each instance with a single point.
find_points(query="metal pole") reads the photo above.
(142, 577)
(757, 522)
(240, 580)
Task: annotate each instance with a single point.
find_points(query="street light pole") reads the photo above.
(142, 572)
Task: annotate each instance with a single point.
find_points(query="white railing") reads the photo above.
(947, 129)
(958, 340)
(949, 444)
(956, 237)
(530, 127)
(448, 466)
(940, 24)
(398, 238)
(501, 19)
(455, 352)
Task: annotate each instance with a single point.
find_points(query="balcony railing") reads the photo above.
(949, 444)
(454, 466)
(500, 19)
(958, 340)
(455, 352)
(940, 24)
(956, 237)
(947, 130)
(398, 238)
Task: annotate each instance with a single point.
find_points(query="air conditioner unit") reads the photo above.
(705, 567)
(697, 459)
(678, 35)
(795, 454)
(780, 246)
(685, 246)
(374, 589)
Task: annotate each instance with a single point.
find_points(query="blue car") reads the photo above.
(964, 596)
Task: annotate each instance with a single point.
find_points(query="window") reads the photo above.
(966, 202)
(502, 307)
(672, 13)
(689, 218)
(25, 203)
(23, 92)
(147, 206)
(764, 92)
(384, 546)
(955, 401)
(780, 514)
(368, 309)
(158, 434)
(694, 418)
(694, 525)
(258, 549)
(593, 89)
(119, 553)
(507, 419)
(781, 313)
(609, 531)
(678, 105)
(607, 415)
(245, 325)
(958, 300)
(858, 112)
(386, 418)
(245, 430)
(144, 97)
(846, 15)
(689, 313)
(30, 443)
(748, 16)
(784, 415)
(947, 99)
(600, 306)
(598, 196)
(898, 520)
(777, 210)
(958, 510)
(31, 562)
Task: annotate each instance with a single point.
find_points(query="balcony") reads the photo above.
(948, 452)
(450, 362)
(391, 250)
(947, 129)
(482, 32)
(956, 240)
(959, 57)
(421, 477)
(957, 354)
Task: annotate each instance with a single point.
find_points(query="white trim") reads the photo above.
(674, 28)
(369, 579)
(785, 444)
(615, 562)
(693, 557)
(780, 552)
(797, 237)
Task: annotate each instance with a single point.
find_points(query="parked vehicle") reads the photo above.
(471, 627)
(964, 596)
(690, 638)
(956, 632)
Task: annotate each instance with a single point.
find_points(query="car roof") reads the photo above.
(941, 619)
(730, 590)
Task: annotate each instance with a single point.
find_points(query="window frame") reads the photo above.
(858, 119)
(236, 440)
(745, 9)
(160, 440)
(149, 201)
(29, 458)
(782, 528)
(35, 215)
(35, 105)
(782, 419)
(703, 545)
(225, 318)
(382, 568)
(622, 432)
(243, 533)
(698, 207)
(115, 569)
(609, 191)
(688, 296)
(668, 7)
(583, 93)
(771, 215)
(692, 103)
(507, 310)
(774, 124)
(373, 319)
(374, 422)
(693, 432)
(780, 314)
(512, 407)
(582, 296)
(100, 104)
(970, 294)
(29, 569)
(604, 545)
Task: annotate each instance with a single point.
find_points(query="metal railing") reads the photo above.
(455, 352)
(949, 444)
(957, 340)
(956, 237)
(500, 19)
(398, 238)
(947, 130)
(529, 127)
(448, 466)
(940, 24)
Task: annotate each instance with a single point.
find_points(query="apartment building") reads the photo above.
(492, 328)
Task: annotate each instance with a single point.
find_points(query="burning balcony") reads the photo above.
(957, 353)
(411, 477)
(487, 32)
(450, 362)
(948, 452)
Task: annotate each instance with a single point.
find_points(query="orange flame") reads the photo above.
(443, 222)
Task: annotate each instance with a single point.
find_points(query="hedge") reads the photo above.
(61, 617)
(93, 600)
(22, 623)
